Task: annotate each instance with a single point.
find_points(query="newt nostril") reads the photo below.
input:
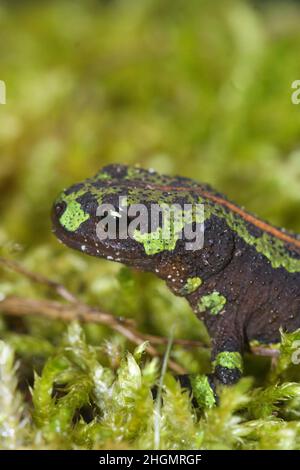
(60, 208)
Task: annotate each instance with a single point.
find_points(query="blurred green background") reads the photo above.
(198, 88)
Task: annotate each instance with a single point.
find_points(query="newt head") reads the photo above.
(121, 213)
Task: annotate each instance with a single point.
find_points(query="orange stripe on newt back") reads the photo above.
(254, 220)
(248, 217)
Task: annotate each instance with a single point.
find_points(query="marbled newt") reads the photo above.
(244, 283)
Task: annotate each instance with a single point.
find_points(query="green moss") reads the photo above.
(213, 302)
(13, 428)
(202, 391)
(272, 346)
(74, 381)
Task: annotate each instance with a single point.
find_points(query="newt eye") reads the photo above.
(59, 208)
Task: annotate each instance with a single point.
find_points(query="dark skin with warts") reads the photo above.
(247, 275)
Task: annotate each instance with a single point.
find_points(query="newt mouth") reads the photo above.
(113, 250)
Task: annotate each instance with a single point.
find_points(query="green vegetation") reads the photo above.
(80, 403)
(197, 88)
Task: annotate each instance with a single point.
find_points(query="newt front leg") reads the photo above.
(227, 360)
(227, 350)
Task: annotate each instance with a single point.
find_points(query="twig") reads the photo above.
(58, 311)
(267, 352)
(76, 309)
(63, 292)
(39, 279)
(181, 342)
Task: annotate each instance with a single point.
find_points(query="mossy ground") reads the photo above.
(197, 88)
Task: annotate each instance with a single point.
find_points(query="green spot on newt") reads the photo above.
(230, 360)
(191, 285)
(163, 238)
(73, 215)
(154, 242)
(269, 246)
(102, 176)
(213, 302)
